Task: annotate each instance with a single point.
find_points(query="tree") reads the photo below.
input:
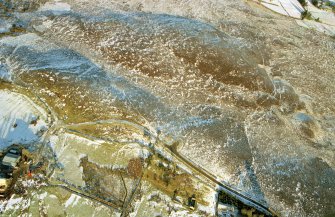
(303, 2)
(135, 167)
(315, 3)
(306, 15)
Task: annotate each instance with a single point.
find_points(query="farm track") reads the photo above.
(88, 196)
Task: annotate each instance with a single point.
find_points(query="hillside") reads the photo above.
(145, 105)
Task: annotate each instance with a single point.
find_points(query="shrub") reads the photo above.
(315, 3)
(306, 15)
(303, 2)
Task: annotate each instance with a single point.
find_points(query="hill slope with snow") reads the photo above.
(242, 93)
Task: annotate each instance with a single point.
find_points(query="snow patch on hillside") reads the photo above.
(56, 7)
(73, 200)
(21, 121)
(4, 26)
(30, 40)
(4, 72)
(291, 8)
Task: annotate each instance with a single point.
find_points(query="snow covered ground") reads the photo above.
(21, 121)
(327, 29)
(53, 202)
(4, 72)
(56, 7)
(325, 16)
(70, 148)
(4, 26)
(291, 8)
(182, 97)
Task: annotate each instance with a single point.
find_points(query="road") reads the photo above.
(131, 197)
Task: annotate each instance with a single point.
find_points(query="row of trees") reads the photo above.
(318, 3)
(314, 2)
(306, 14)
